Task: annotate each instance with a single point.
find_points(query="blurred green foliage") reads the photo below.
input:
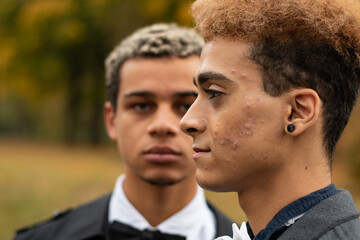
(52, 61)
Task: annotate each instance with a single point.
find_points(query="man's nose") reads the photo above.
(192, 122)
(165, 123)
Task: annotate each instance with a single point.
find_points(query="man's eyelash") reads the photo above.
(212, 93)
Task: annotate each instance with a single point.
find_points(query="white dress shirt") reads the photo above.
(195, 221)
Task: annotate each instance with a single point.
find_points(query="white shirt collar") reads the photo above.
(195, 220)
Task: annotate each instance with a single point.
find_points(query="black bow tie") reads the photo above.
(119, 231)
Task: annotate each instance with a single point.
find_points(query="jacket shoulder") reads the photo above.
(326, 219)
(86, 219)
(349, 230)
(43, 229)
(223, 223)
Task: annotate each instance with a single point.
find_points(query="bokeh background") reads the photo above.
(54, 153)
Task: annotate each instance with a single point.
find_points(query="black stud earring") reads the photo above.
(291, 128)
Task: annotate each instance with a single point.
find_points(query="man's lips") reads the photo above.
(200, 152)
(161, 154)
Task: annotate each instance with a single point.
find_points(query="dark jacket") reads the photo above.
(333, 218)
(90, 222)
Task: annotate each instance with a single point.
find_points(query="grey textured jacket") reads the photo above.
(334, 218)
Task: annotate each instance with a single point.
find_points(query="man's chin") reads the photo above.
(162, 182)
(212, 186)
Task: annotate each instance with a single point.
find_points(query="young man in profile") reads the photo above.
(277, 82)
(149, 87)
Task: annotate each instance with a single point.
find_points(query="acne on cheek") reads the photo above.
(246, 125)
(246, 130)
(231, 142)
(228, 133)
(250, 119)
(227, 137)
(224, 136)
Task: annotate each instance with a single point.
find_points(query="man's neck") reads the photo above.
(264, 199)
(156, 203)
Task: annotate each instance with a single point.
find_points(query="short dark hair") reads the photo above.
(297, 43)
(319, 67)
(157, 40)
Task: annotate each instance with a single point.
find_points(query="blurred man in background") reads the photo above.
(277, 83)
(149, 88)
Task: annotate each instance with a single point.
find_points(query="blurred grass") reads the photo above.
(38, 178)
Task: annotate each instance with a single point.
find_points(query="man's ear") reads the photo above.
(109, 118)
(303, 110)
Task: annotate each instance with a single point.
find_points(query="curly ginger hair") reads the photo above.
(307, 21)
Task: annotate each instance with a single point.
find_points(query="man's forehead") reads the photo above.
(221, 51)
(227, 45)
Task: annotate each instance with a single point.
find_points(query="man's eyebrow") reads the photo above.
(139, 94)
(153, 95)
(206, 76)
(185, 94)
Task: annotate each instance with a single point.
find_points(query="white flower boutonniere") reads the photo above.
(238, 234)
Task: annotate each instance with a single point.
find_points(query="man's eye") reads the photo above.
(184, 107)
(212, 93)
(141, 107)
